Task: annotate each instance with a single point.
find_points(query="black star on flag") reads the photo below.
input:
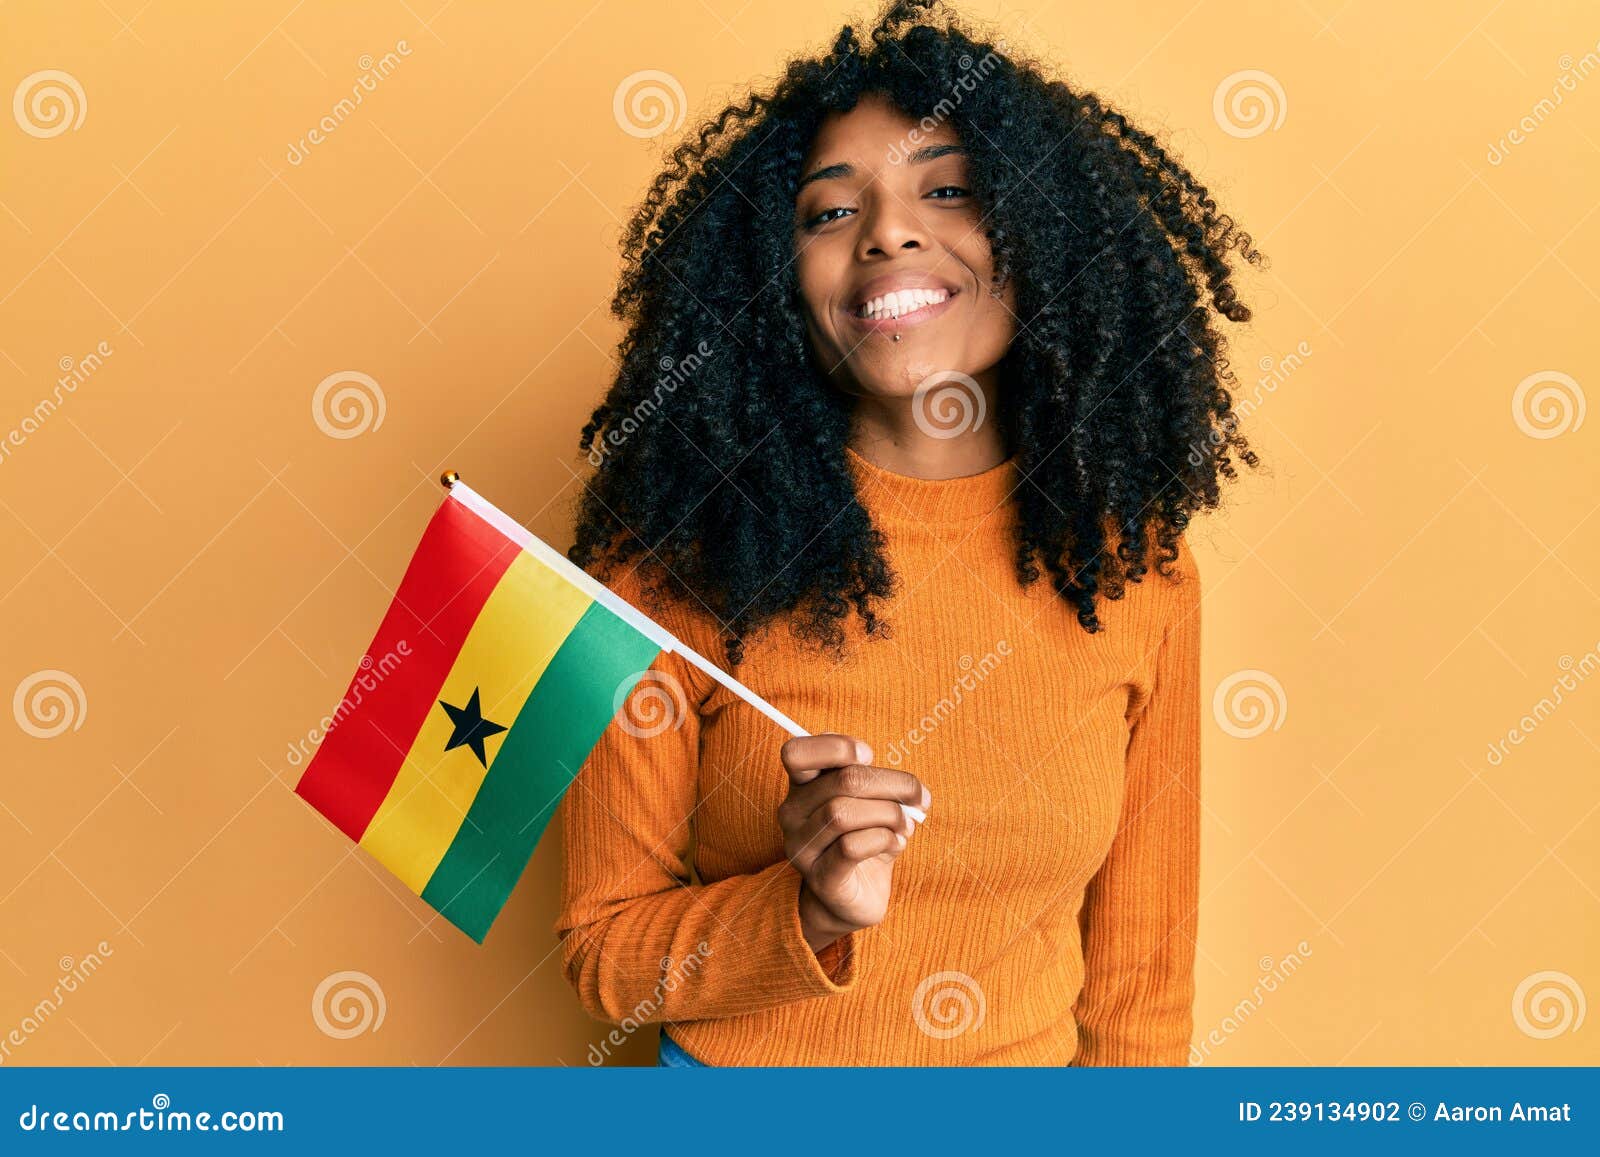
(471, 728)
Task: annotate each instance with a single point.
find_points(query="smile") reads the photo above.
(902, 309)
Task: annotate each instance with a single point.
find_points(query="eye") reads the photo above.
(822, 218)
(950, 193)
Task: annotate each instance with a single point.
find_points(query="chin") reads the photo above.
(890, 383)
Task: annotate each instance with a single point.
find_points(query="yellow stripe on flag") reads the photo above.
(525, 620)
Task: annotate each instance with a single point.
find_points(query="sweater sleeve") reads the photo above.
(641, 942)
(1139, 917)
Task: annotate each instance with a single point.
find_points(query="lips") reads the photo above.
(887, 283)
(894, 302)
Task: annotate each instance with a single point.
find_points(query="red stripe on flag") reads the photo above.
(458, 563)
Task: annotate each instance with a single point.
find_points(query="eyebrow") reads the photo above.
(915, 157)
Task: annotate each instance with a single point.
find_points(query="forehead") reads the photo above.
(871, 132)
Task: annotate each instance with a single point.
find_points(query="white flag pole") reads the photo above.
(616, 604)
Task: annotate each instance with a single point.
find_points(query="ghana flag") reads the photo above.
(495, 671)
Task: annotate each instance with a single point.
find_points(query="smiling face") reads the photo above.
(889, 240)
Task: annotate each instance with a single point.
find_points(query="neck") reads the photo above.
(957, 442)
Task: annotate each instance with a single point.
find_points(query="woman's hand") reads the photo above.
(843, 825)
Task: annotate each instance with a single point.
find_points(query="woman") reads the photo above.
(907, 335)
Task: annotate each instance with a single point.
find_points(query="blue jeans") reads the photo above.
(672, 1056)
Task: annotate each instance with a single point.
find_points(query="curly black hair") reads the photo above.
(720, 444)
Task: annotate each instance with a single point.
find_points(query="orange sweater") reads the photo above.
(1045, 912)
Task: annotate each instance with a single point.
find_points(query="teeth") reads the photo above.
(900, 303)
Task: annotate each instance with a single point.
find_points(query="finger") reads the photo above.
(835, 878)
(807, 756)
(837, 817)
(865, 843)
(862, 781)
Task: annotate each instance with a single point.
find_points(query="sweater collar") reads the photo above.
(906, 500)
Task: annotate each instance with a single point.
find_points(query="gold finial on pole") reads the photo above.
(449, 478)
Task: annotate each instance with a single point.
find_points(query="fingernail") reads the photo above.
(901, 838)
(927, 796)
(863, 752)
(914, 814)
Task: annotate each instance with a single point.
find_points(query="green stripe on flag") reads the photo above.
(558, 726)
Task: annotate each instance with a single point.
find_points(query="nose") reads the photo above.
(890, 226)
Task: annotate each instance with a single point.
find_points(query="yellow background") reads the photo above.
(183, 539)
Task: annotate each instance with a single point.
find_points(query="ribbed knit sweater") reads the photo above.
(1044, 914)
